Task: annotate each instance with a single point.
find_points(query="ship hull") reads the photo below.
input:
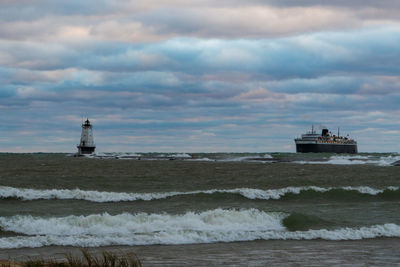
(327, 148)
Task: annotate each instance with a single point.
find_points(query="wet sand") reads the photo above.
(369, 252)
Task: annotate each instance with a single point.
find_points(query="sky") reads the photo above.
(199, 75)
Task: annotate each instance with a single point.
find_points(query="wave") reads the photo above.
(190, 228)
(356, 160)
(201, 159)
(180, 155)
(223, 157)
(127, 155)
(250, 193)
(119, 155)
(252, 158)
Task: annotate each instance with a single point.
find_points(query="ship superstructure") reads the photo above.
(86, 145)
(325, 142)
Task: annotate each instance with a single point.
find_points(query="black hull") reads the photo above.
(326, 148)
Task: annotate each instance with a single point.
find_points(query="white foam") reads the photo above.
(245, 158)
(145, 229)
(356, 160)
(201, 159)
(347, 160)
(141, 228)
(278, 193)
(180, 155)
(119, 155)
(94, 196)
(388, 161)
(235, 159)
(98, 196)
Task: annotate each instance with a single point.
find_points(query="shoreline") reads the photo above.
(366, 251)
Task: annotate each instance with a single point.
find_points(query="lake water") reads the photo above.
(204, 209)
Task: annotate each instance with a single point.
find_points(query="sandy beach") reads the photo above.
(381, 251)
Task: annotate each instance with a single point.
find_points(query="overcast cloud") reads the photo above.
(198, 77)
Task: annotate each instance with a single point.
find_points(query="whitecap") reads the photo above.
(180, 155)
(101, 196)
(355, 160)
(190, 228)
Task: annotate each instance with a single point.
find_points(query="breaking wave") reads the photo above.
(247, 157)
(120, 155)
(180, 155)
(356, 160)
(190, 228)
(127, 155)
(201, 159)
(223, 157)
(250, 193)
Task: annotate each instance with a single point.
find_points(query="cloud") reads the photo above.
(373, 51)
(197, 76)
(149, 21)
(388, 4)
(249, 21)
(264, 96)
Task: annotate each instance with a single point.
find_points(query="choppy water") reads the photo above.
(179, 198)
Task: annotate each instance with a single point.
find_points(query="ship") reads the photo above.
(325, 142)
(86, 145)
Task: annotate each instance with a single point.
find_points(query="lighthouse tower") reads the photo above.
(86, 146)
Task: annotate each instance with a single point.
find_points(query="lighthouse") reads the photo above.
(86, 146)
